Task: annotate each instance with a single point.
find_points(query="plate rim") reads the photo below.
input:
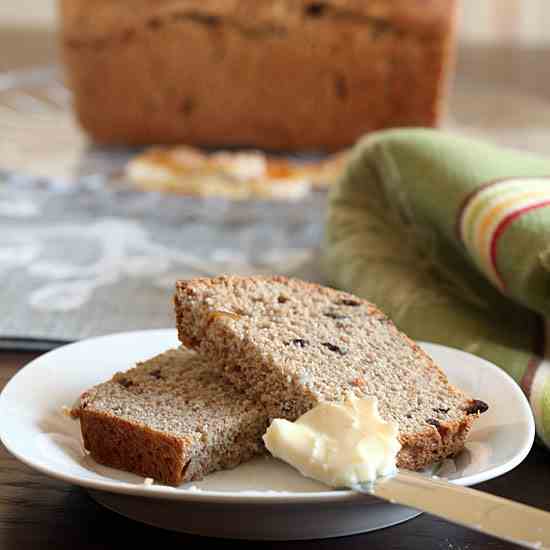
(268, 497)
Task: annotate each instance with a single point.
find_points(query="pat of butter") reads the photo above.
(339, 444)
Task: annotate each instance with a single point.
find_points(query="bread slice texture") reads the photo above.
(172, 418)
(290, 345)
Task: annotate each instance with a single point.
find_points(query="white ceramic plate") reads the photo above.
(36, 431)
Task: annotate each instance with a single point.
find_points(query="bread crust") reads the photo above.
(437, 441)
(425, 448)
(128, 446)
(358, 66)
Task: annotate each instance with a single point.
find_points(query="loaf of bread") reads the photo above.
(172, 419)
(291, 345)
(275, 74)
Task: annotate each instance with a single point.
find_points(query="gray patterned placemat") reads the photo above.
(80, 260)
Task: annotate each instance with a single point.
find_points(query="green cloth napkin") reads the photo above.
(451, 238)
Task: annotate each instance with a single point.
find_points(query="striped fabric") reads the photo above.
(490, 210)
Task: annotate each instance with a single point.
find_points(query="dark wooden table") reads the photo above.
(39, 512)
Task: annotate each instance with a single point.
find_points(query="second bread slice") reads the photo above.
(290, 345)
(171, 418)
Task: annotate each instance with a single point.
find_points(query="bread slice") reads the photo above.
(171, 418)
(290, 344)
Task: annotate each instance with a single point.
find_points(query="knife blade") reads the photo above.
(506, 519)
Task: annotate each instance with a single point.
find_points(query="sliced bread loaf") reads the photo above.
(290, 345)
(171, 418)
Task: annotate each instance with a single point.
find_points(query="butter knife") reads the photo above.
(508, 520)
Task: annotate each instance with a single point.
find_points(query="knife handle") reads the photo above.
(496, 516)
